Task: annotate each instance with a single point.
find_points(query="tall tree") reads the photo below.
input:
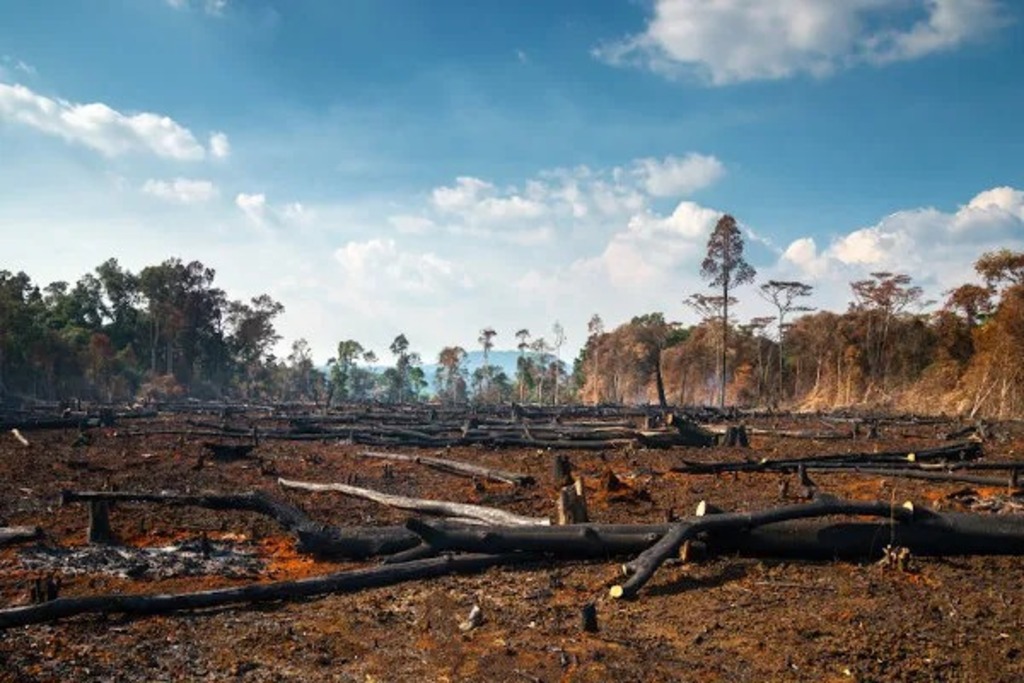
(783, 294)
(486, 340)
(724, 267)
(595, 328)
(343, 367)
(879, 300)
(451, 374)
(557, 342)
(523, 372)
(251, 336)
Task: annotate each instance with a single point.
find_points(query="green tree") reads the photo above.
(724, 267)
(783, 295)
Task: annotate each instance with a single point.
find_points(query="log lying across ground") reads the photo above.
(534, 427)
(342, 582)
(455, 467)
(954, 453)
(463, 511)
(784, 531)
(18, 534)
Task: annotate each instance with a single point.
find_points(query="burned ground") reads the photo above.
(720, 618)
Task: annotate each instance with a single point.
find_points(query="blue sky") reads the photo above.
(386, 166)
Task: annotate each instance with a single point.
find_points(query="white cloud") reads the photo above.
(731, 41)
(182, 190)
(220, 148)
(378, 266)
(262, 213)
(214, 7)
(652, 247)
(98, 126)
(554, 201)
(936, 247)
(678, 176)
(254, 206)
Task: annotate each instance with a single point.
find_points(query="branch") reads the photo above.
(456, 467)
(480, 513)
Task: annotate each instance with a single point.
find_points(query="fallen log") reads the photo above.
(342, 582)
(17, 534)
(928, 533)
(479, 513)
(641, 569)
(455, 467)
(942, 454)
(288, 516)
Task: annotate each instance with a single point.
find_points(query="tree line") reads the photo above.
(168, 332)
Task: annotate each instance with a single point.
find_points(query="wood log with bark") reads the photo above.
(341, 582)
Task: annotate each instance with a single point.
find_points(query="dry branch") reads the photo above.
(456, 467)
(479, 513)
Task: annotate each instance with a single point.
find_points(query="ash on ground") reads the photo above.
(191, 557)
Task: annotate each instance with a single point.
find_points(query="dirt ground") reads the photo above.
(722, 619)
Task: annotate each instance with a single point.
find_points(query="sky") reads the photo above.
(434, 168)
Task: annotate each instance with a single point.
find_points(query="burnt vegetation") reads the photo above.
(750, 499)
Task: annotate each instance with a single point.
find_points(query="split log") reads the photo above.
(456, 467)
(479, 513)
(341, 582)
(16, 534)
(572, 504)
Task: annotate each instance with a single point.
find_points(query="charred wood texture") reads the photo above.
(342, 582)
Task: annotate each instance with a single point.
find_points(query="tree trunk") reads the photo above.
(341, 582)
(659, 380)
(725, 343)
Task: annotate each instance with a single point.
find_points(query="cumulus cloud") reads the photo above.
(936, 246)
(678, 176)
(379, 266)
(99, 126)
(535, 211)
(181, 190)
(731, 41)
(220, 147)
(652, 247)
